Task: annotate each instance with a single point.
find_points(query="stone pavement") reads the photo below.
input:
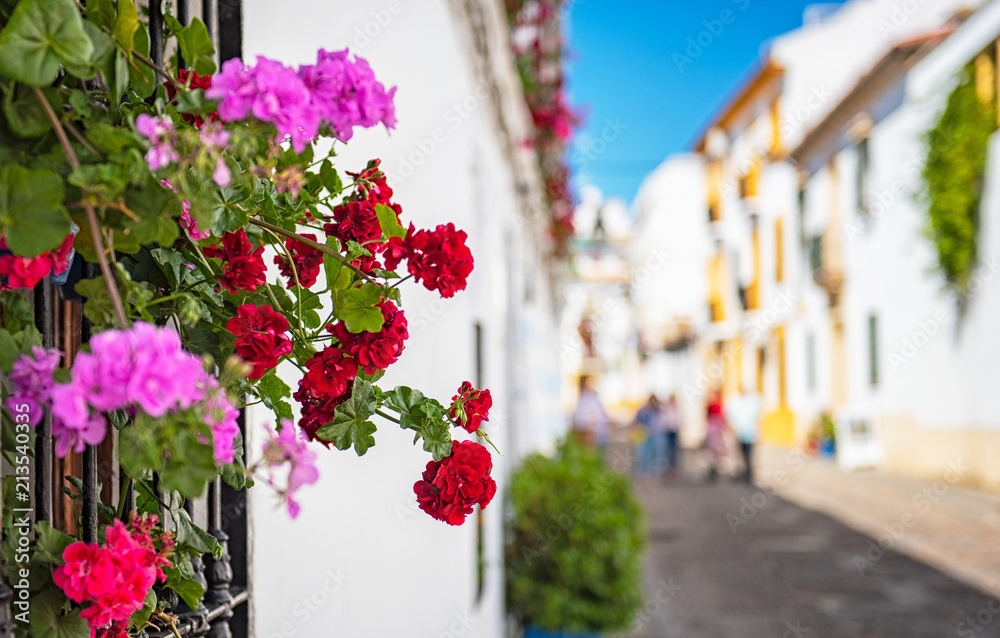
(953, 528)
(727, 559)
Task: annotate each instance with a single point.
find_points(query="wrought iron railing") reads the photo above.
(225, 610)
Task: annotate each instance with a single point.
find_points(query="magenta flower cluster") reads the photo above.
(336, 90)
(32, 379)
(289, 446)
(143, 368)
(162, 137)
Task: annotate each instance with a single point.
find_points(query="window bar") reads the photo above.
(91, 494)
(219, 571)
(210, 16)
(198, 564)
(230, 19)
(156, 32)
(183, 16)
(43, 434)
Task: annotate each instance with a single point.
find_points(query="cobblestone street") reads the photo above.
(729, 559)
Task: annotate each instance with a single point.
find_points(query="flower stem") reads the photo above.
(121, 499)
(401, 281)
(166, 76)
(309, 242)
(295, 270)
(95, 230)
(387, 416)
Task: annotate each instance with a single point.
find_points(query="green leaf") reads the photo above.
(101, 12)
(330, 178)
(110, 139)
(195, 43)
(356, 308)
(13, 345)
(272, 391)
(99, 307)
(50, 544)
(139, 618)
(350, 425)
(190, 468)
(121, 75)
(227, 217)
(41, 35)
(24, 112)
(436, 435)
(46, 618)
(203, 340)
(31, 210)
(143, 79)
(190, 535)
(17, 314)
(8, 351)
(389, 222)
(403, 399)
(125, 27)
(189, 590)
(235, 474)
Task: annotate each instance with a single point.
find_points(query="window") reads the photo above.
(715, 191)
(816, 254)
(760, 370)
(861, 176)
(801, 211)
(873, 350)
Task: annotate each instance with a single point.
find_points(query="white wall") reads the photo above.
(936, 367)
(403, 573)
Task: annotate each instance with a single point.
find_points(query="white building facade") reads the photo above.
(362, 559)
(823, 299)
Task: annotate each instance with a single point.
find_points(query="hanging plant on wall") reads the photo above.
(177, 190)
(953, 179)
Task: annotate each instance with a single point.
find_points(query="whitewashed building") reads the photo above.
(362, 559)
(914, 363)
(806, 299)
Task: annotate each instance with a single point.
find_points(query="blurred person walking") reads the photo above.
(715, 436)
(590, 421)
(743, 414)
(650, 451)
(671, 427)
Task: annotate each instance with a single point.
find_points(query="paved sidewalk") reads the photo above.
(952, 528)
(727, 559)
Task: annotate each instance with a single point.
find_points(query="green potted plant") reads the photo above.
(574, 546)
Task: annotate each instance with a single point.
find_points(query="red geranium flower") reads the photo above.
(317, 411)
(354, 221)
(470, 407)
(26, 272)
(197, 82)
(244, 268)
(373, 187)
(307, 260)
(451, 486)
(440, 257)
(331, 373)
(375, 350)
(260, 337)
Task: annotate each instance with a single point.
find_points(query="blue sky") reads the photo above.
(647, 88)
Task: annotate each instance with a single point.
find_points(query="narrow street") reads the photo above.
(729, 559)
